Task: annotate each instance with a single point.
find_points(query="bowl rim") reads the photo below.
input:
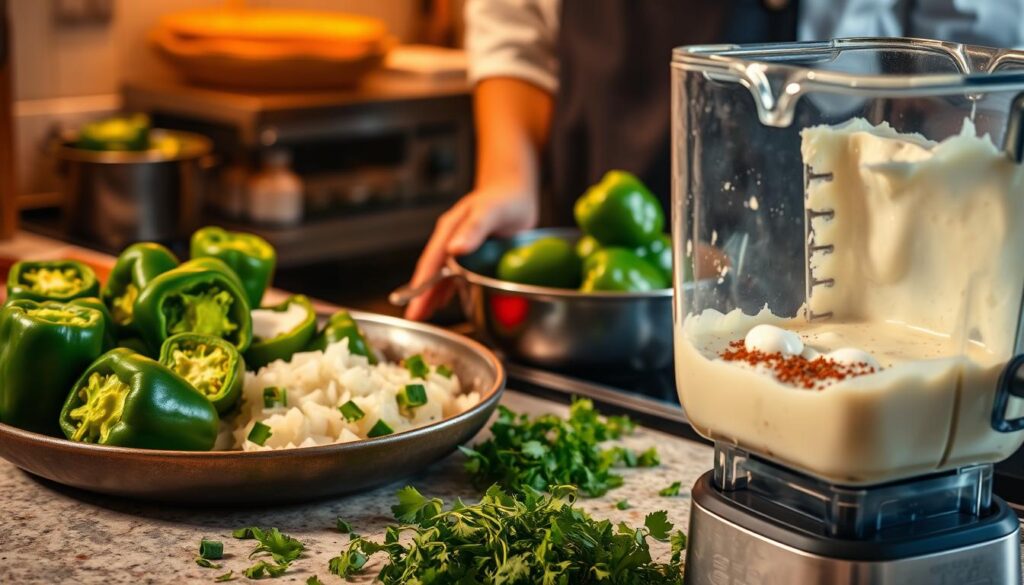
(194, 147)
(456, 267)
(487, 399)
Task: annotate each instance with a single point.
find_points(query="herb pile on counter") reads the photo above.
(550, 450)
(527, 538)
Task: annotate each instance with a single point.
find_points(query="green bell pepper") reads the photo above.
(213, 367)
(545, 262)
(115, 133)
(250, 256)
(620, 211)
(278, 332)
(193, 299)
(340, 326)
(51, 280)
(618, 269)
(586, 246)
(137, 265)
(44, 347)
(659, 254)
(109, 327)
(129, 400)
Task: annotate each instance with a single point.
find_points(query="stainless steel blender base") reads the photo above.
(723, 553)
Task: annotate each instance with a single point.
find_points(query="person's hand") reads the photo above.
(501, 210)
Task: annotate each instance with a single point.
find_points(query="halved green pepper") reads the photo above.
(211, 365)
(44, 347)
(137, 265)
(129, 400)
(280, 331)
(250, 256)
(340, 326)
(51, 280)
(193, 299)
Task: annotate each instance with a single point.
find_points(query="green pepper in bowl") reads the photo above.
(618, 269)
(211, 365)
(280, 331)
(620, 211)
(51, 280)
(44, 347)
(115, 133)
(545, 262)
(126, 399)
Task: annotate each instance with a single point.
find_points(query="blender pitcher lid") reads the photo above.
(779, 74)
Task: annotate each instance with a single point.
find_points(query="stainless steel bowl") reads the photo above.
(286, 475)
(559, 328)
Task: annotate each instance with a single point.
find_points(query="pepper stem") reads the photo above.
(103, 405)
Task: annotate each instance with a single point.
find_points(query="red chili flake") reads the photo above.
(796, 370)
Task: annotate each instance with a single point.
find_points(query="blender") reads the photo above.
(858, 205)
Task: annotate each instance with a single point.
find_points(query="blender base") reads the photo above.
(731, 545)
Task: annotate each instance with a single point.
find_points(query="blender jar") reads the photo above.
(861, 203)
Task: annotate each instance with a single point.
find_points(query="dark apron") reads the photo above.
(612, 110)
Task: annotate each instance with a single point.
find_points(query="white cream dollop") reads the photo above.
(771, 339)
(850, 356)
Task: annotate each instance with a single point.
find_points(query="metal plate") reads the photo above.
(272, 477)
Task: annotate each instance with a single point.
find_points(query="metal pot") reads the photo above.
(114, 198)
(558, 328)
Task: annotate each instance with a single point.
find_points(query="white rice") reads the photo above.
(318, 383)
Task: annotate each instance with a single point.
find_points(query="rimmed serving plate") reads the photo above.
(288, 475)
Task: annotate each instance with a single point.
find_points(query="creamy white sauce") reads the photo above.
(267, 324)
(928, 264)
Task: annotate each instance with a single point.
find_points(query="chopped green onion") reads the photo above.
(444, 370)
(411, 396)
(275, 395)
(379, 430)
(206, 563)
(671, 491)
(623, 505)
(211, 549)
(351, 411)
(344, 527)
(259, 433)
(417, 366)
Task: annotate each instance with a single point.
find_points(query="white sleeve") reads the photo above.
(513, 38)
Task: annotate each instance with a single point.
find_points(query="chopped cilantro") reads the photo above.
(623, 505)
(549, 450)
(672, 490)
(283, 549)
(344, 527)
(351, 411)
(314, 580)
(528, 537)
(229, 576)
(264, 569)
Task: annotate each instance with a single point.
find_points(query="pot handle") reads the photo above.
(401, 296)
(1011, 383)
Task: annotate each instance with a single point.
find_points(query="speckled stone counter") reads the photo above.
(52, 534)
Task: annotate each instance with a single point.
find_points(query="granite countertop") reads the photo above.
(53, 534)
